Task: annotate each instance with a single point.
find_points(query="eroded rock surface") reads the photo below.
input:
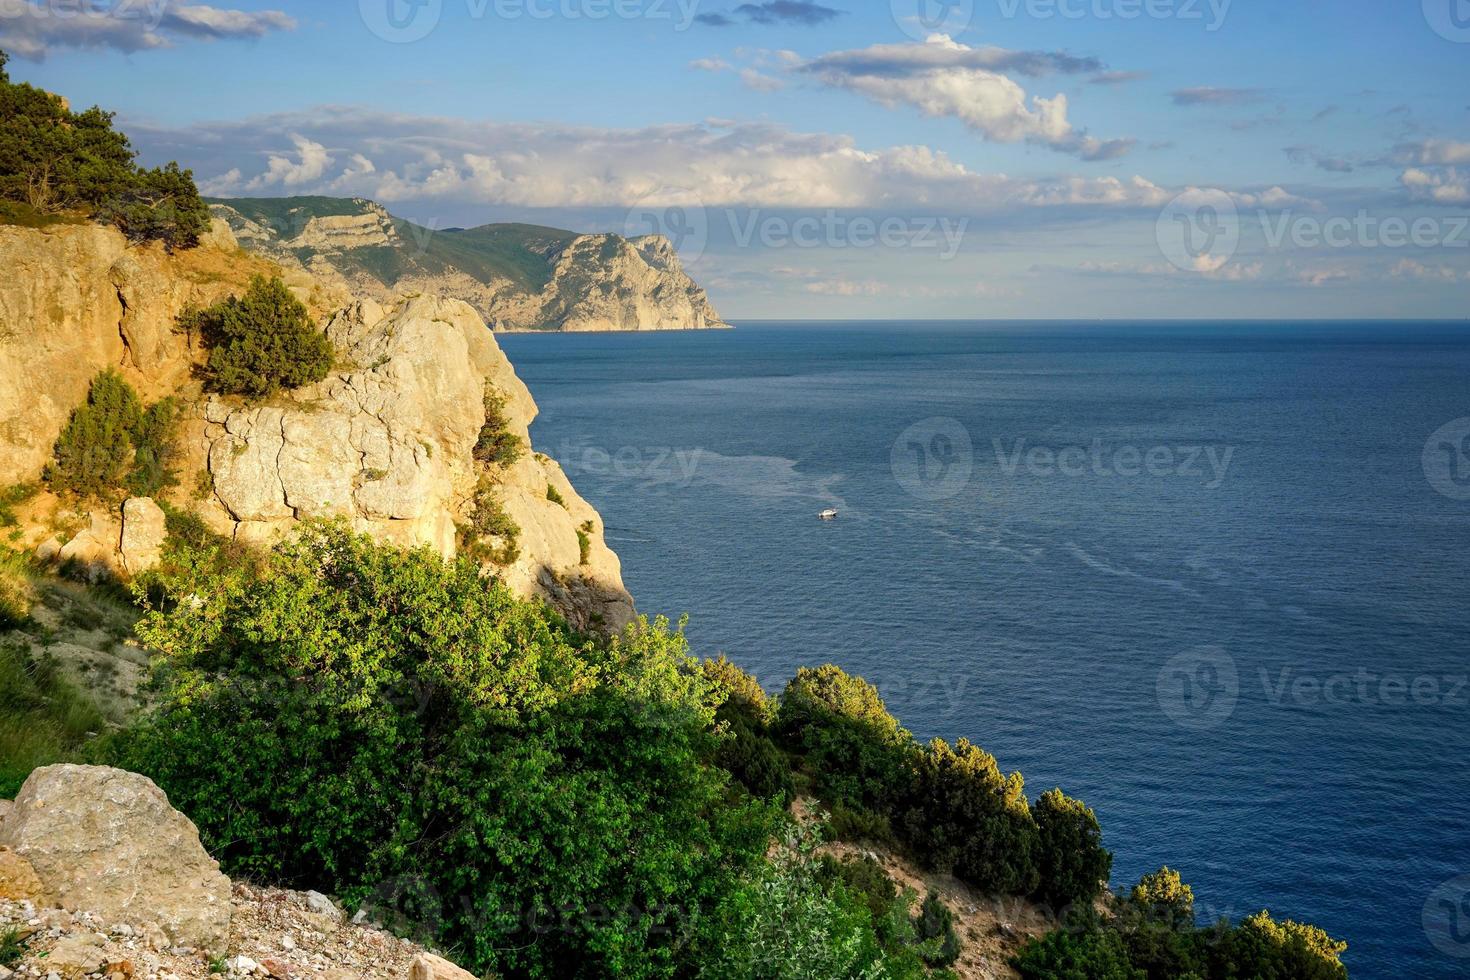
(107, 841)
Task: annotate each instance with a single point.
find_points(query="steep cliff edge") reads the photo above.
(519, 277)
(385, 442)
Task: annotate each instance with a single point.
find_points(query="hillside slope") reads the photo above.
(518, 277)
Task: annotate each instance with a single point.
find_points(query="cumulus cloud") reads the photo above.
(33, 30)
(717, 164)
(1206, 95)
(1410, 269)
(774, 12)
(1447, 185)
(944, 78)
(311, 164)
(1431, 153)
(751, 78)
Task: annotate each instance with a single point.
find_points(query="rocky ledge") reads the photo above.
(128, 893)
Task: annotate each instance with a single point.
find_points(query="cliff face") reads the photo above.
(385, 442)
(518, 277)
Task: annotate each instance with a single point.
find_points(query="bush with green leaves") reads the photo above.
(794, 919)
(53, 160)
(260, 343)
(1071, 862)
(934, 931)
(497, 445)
(405, 733)
(112, 446)
(856, 751)
(1150, 934)
(1073, 954)
(965, 816)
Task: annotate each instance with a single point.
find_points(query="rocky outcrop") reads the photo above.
(107, 841)
(386, 442)
(517, 277)
(76, 299)
(144, 529)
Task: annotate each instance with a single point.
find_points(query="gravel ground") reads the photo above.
(273, 933)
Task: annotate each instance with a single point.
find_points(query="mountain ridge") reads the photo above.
(519, 277)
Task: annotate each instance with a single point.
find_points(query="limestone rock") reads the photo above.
(387, 443)
(5, 808)
(18, 880)
(106, 841)
(144, 529)
(427, 966)
(75, 957)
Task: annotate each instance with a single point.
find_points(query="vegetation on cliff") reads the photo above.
(113, 447)
(55, 162)
(260, 343)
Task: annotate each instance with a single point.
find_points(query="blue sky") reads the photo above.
(982, 158)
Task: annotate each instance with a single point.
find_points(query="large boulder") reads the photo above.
(106, 841)
(144, 528)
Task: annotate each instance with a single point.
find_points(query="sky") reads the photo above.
(1212, 159)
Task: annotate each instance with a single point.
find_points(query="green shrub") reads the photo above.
(1262, 947)
(398, 730)
(53, 160)
(16, 592)
(12, 497)
(12, 947)
(934, 930)
(791, 921)
(43, 719)
(1073, 866)
(112, 446)
(260, 343)
(1066, 954)
(743, 700)
(756, 763)
(861, 826)
(497, 445)
(858, 754)
(554, 495)
(488, 519)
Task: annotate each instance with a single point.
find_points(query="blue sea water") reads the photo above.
(1225, 602)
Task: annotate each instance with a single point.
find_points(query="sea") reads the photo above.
(1209, 577)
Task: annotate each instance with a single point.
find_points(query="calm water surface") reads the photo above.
(1195, 575)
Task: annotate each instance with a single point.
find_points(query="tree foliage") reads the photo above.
(111, 445)
(54, 160)
(394, 728)
(260, 343)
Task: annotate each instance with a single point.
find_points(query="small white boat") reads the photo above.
(829, 514)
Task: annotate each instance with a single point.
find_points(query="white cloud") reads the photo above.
(1410, 269)
(944, 78)
(32, 30)
(1430, 153)
(1442, 186)
(717, 164)
(314, 160)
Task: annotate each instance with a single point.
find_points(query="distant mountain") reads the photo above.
(519, 277)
